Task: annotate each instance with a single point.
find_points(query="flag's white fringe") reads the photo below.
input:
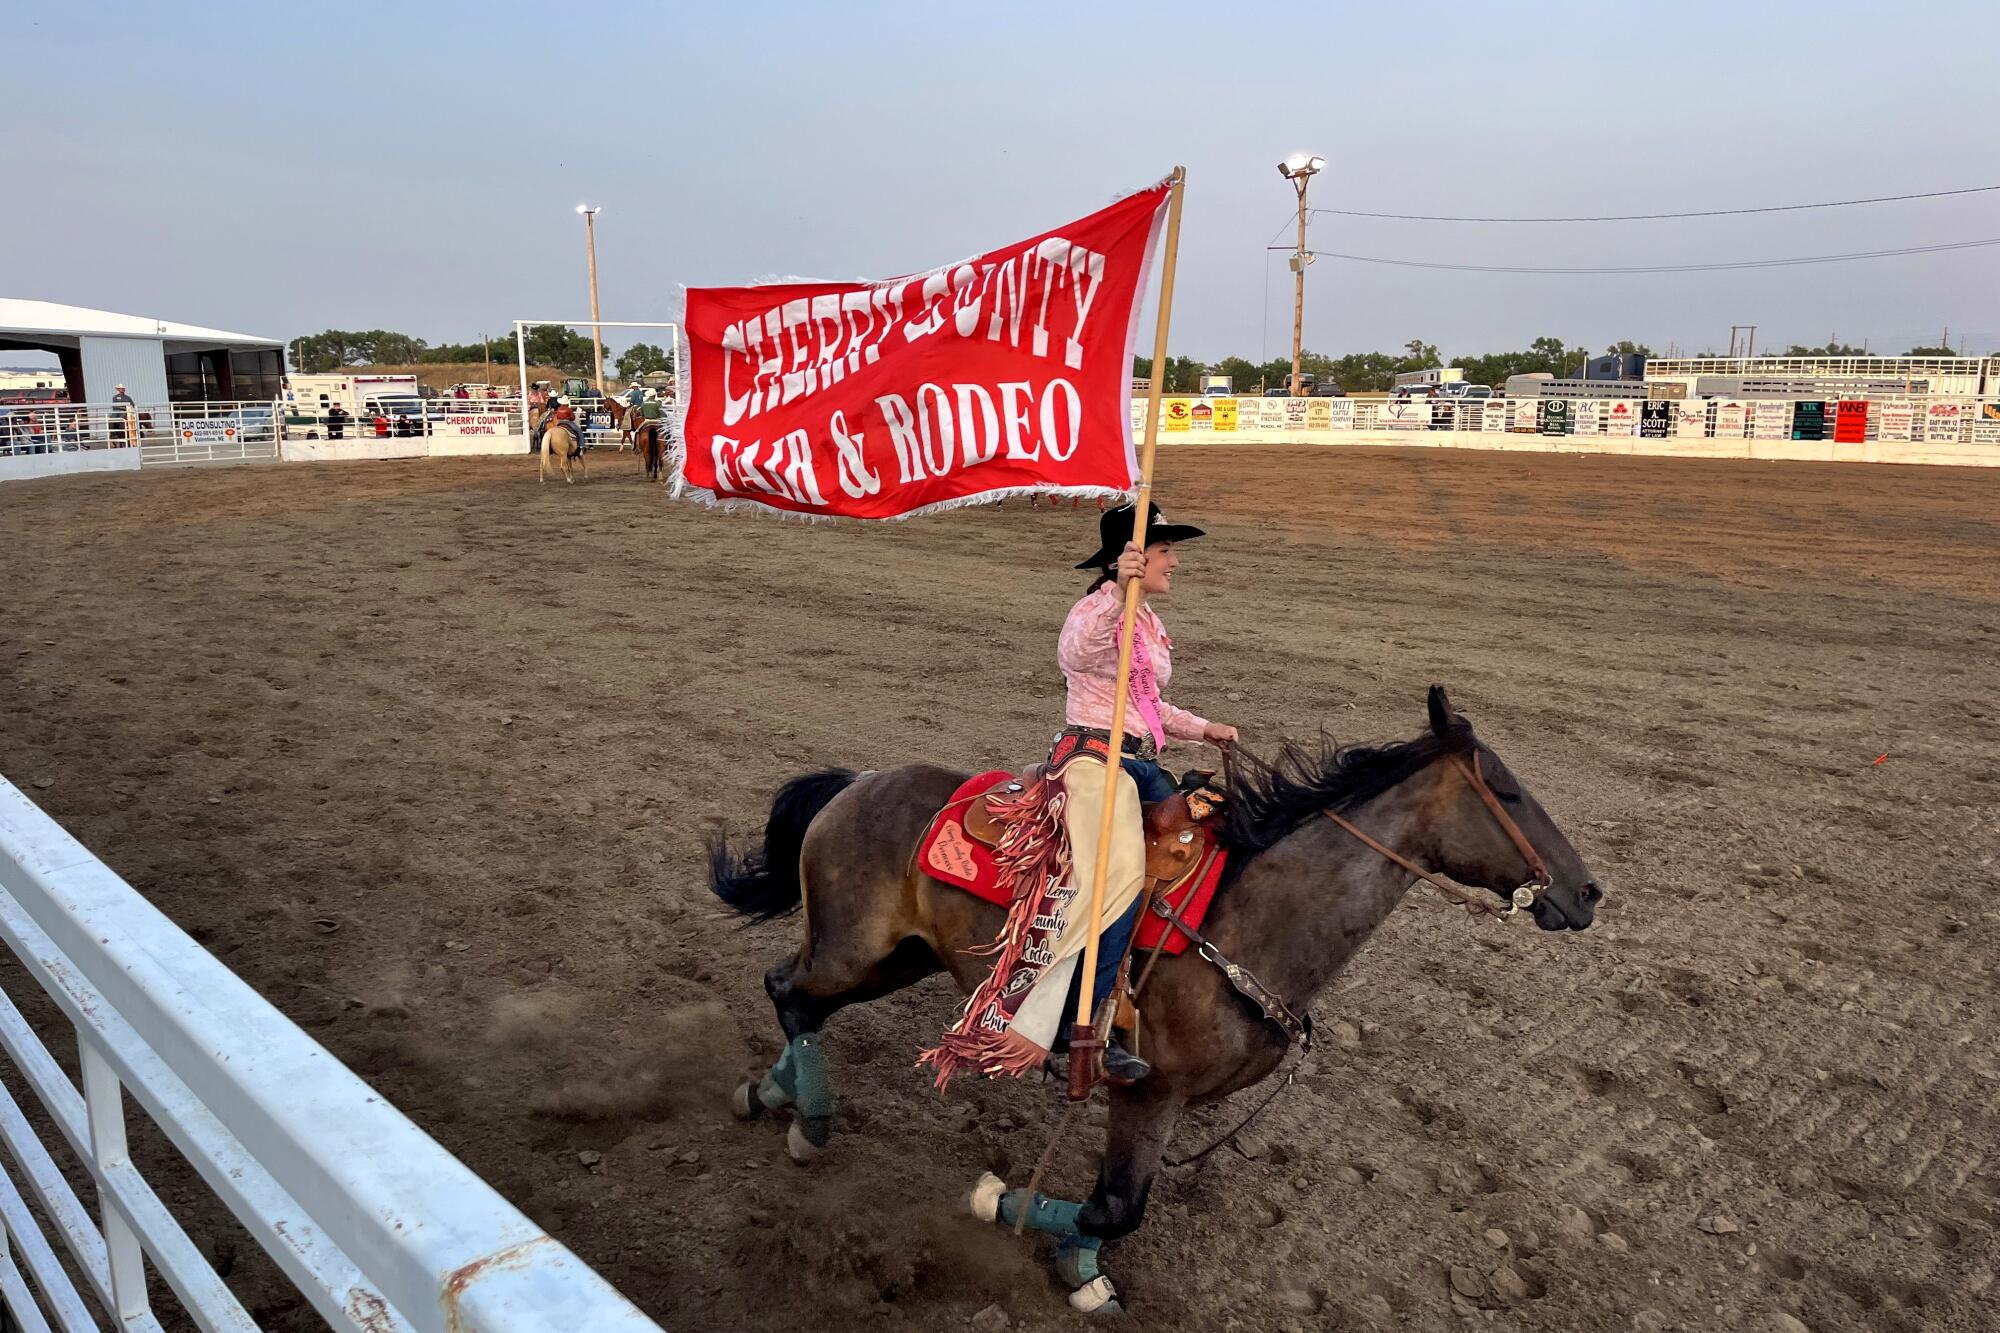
(736, 503)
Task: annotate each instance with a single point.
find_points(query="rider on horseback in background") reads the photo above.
(567, 416)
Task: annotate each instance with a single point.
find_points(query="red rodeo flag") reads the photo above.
(1008, 372)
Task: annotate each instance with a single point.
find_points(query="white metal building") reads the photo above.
(157, 361)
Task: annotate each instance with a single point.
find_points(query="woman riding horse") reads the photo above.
(1012, 1029)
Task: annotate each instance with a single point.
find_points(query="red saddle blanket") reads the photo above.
(949, 854)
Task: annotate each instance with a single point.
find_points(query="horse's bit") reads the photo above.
(1539, 880)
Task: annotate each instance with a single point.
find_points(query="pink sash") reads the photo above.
(1145, 689)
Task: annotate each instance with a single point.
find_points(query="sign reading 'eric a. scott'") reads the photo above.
(1007, 371)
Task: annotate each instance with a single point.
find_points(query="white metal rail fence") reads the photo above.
(218, 432)
(380, 1229)
(237, 432)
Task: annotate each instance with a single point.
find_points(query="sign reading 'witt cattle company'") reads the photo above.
(1008, 371)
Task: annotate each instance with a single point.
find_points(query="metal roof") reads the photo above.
(21, 318)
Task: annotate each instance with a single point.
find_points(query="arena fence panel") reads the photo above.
(378, 1227)
(206, 432)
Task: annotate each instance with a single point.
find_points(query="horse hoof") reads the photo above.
(802, 1149)
(1096, 1296)
(744, 1103)
(984, 1201)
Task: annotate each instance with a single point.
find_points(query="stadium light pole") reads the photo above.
(1299, 169)
(596, 334)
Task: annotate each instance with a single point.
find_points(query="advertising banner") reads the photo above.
(1339, 413)
(1621, 417)
(208, 430)
(1552, 416)
(1943, 422)
(1850, 421)
(1295, 412)
(1403, 414)
(1731, 417)
(1656, 418)
(1899, 421)
(470, 423)
(1808, 420)
(1589, 415)
(1770, 421)
(1319, 414)
(1225, 414)
(1177, 412)
(1690, 419)
(1201, 415)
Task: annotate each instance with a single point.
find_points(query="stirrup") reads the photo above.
(1122, 1068)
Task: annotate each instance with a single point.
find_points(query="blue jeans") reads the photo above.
(1153, 782)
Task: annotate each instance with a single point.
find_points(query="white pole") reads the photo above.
(521, 350)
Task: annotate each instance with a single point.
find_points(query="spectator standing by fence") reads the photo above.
(124, 417)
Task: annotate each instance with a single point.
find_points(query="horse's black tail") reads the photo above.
(763, 883)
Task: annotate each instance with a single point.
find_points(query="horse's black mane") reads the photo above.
(1270, 798)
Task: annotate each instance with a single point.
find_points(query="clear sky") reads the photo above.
(414, 166)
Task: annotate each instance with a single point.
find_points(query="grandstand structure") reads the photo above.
(1906, 376)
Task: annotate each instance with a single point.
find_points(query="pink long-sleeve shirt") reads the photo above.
(1088, 655)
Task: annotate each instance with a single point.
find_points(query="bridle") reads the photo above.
(1539, 880)
(1299, 1029)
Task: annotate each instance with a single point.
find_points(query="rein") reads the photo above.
(1535, 886)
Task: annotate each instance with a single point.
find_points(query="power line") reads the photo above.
(1658, 268)
(1652, 217)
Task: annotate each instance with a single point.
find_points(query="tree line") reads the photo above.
(1373, 372)
(1356, 372)
(548, 345)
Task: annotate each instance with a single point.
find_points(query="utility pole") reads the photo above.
(596, 332)
(1299, 169)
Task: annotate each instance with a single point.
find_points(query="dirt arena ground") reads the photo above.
(426, 752)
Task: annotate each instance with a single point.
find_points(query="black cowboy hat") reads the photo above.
(1115, 527)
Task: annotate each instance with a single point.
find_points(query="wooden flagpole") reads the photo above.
(1084, 1043)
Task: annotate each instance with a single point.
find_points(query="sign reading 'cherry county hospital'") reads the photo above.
(1006, 372)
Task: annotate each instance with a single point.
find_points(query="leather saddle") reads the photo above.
(1176, 836)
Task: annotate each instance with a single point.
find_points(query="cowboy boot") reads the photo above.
(1122, 1068)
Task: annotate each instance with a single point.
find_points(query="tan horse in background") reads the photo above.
(562, 445)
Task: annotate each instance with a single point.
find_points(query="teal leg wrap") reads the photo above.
(1057, 1217)
(1076, 1260)
(815, 1097)
(780, 1086)
(799, 1078)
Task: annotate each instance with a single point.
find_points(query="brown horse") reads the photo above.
(627, 419)
(1300, 898)
(561, 444)
(651, 443)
